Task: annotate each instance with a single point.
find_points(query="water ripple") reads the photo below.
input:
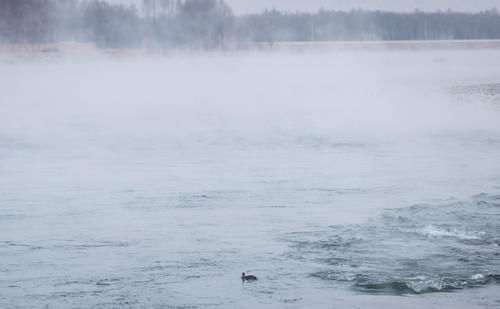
(423, 248)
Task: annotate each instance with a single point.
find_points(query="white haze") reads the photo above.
(254, 97)
(82, 114)
(181, 159)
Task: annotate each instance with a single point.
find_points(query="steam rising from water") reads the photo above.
(153, 182)
(344, 96)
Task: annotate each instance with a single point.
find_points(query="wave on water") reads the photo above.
(433, 231)
(443, 246)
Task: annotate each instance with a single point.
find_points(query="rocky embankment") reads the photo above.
(483, 92)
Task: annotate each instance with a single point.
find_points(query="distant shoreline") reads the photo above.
(396, 44)
(76, 48)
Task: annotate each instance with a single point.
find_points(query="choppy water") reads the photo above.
(359, 182)
(441, 246)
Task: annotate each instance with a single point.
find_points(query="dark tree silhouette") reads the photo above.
(209, 24)
(205, 23)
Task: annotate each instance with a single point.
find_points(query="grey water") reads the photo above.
(338, 179)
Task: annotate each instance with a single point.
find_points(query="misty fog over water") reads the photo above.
(338, 179)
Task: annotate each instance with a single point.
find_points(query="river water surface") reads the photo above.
(344, 180)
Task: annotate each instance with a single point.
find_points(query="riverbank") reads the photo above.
(484, 92)
(88, 49)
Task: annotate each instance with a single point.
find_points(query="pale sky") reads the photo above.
(251, 6)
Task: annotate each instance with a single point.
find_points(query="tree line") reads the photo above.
(210, 24)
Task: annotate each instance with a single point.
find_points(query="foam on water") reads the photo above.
(433, 231)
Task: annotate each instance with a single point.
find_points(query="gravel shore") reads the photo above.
(484, 92)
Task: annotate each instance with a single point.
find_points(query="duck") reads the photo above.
(247, 277)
